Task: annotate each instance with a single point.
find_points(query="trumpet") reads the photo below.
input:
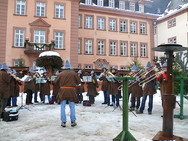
(110, 74)
(152, 77)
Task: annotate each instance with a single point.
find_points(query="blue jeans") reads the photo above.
(72, 111)
(14, 101)
(106, 97)
(35, 96)
(150, 104)
(133, 100)
(115, 97)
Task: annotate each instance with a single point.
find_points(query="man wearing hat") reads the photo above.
(105, 85)
(37, 85)
(5, 80)
(113, 89)
(80, 89)
(45, 87)
(92, 88)
(67, 81)
(29, 86)
(149, 89)
(136, 91)
(163, 80)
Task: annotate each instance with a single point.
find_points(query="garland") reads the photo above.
(38, 47)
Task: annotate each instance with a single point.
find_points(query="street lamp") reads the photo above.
(169, 99)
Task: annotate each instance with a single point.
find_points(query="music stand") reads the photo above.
(23, 106)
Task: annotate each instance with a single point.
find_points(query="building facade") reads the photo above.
(88, 35)
(172, 28)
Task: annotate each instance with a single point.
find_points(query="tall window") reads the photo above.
(112, 25)
(132, 6)
(142, 28)
(113, 48)
(101, 23)
(59, 40)
(141, 8)
(121, 5)
(88, 46)
(79, 46)
(123, 26)
(100, 2)
(133, 49)
(79, 21)
(111, 3)
(20, 7)
(123, 49)
(39, 37)
(143, 50)
(40, 9)
(59, 11)
(19, 38)
(89, 22)
(100, 47)
(133, 27)
(88, 2)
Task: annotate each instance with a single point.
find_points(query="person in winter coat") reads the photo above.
(45, 87)
(80, 89)
(105, 85)
(29, 86)
(149, 90)
(92, 88)
(163, 80)
(113, 88)
(136, 92)
(67, 81)
(5, 80)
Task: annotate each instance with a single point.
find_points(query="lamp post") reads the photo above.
(169, 99)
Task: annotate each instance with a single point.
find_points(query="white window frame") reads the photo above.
(142, 28)
(41, 6)
(113, 48)
(101, 23)
(59, 11)
(88, 2)
(19, 37)
(133, 49)
(133, 27)
(122, 5)
(111, 3)
(123, 49)
(88, 67)
(41, 35)
(132, 6)
(20, 7)
(123, 26)
(173, 22)
(59, 40)
(79, 21)
(79, 46)
(89, 22)
(143, 50)
(100, 2)
(141, 8)
(101, 47)
(112, 25)
(88, 46)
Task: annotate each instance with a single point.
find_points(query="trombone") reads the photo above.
(152, 77)
(140, 76)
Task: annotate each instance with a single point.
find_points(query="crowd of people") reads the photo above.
(68, 87)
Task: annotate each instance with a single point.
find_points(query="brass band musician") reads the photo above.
(149, 89)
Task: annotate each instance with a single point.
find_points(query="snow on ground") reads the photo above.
(96, 123)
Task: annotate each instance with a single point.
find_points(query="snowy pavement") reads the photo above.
(96, 123)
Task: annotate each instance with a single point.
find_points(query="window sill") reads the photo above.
(112, 31)
(143, 34)
(88, 54)
(59, 49)
(123, 55)
(19, 15)
(123, 32)
(101, 29)
(18, 47)
(59, 18)
(101, 54)
(143, 57)
(40, 16)
(89, 28)
(113, 55)
(133, 33)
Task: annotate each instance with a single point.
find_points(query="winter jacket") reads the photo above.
(92, 87)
